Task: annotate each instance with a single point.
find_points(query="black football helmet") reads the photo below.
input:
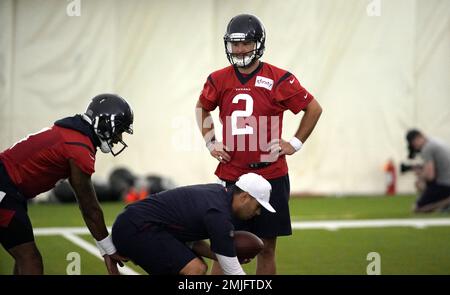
(245, 27)
(110, 115)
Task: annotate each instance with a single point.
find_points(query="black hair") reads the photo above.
(235, 189)
(412, 134)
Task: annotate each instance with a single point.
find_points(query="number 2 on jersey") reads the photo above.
(245, 113)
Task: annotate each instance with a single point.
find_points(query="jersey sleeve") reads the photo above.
(208, 96)
(427, 153)
(220, 230)
(83, 156)
(291, 95)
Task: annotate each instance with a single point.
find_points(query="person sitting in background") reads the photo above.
(433, 177)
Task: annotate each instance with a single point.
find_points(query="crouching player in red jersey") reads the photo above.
(66, 150)
(252, 96)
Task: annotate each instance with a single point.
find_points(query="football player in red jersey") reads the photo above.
(252, 96)
(66, 150)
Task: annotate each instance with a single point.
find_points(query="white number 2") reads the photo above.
(246, 113)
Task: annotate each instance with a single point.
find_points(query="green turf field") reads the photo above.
(402, 250)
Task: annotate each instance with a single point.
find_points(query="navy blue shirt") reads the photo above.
(190, 213)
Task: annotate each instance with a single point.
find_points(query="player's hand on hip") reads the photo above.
(274, 149)
(279, 147)
(218, 152)
(286, 148)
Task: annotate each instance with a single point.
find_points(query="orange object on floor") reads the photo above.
(391, 178)
(134, 195)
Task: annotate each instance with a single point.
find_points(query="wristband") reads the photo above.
(210, 145)
(106, 246)
(296, 143)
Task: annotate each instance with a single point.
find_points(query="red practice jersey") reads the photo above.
(251, 112)
(37, 162)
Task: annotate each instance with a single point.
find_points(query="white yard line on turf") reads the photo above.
(92, 249)
(371, 223)
(70, 233)
(328, 225)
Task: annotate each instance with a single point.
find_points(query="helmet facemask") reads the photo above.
(109, 129)
(247, 58)
(110, 115)
(245, 28)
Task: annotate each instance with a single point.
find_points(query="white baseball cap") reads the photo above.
(258, 187)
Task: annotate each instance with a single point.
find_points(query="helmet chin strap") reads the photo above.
(104, 146)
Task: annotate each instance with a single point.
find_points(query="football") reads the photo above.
(247, 245)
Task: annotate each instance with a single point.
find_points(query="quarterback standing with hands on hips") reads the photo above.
(251, 96)
(66, 150)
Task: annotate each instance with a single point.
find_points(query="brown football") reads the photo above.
(247, 245)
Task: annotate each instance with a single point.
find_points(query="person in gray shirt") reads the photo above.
(433, 177)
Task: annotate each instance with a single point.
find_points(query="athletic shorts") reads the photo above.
(15, 225)
(150, 246)
(270, 225)
(433, 193)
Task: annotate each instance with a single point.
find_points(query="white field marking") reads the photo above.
(70, 233)
(371, 223)
(91, 249)
(328, 225)
(52, 231)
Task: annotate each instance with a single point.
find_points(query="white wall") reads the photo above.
(375, 76)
